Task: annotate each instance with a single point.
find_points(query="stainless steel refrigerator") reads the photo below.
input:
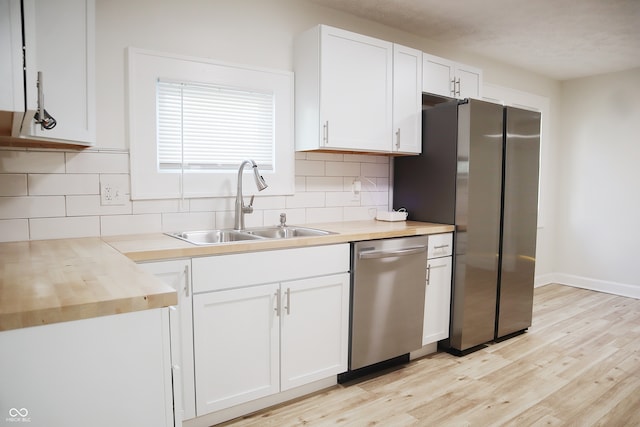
(479, 171)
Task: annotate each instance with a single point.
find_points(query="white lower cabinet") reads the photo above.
(101, 372)
(314, 329)
(236, 337)
(268, 322)
(437, 305)
(176, 273)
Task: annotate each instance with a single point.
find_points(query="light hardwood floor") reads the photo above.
(578, 365)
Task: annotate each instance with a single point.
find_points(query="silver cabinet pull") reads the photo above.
(428, 274)
(278, 308)
(186, 281)
(458, 83)
(398, 139)
(441, 247)
(453, 86)
(388, 254)
(288, 306)
(325, 131)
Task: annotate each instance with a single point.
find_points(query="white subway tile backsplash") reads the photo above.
(31, 207)
(306, 200)
(210, 204)
(31, 162)
(14, 230)
(324, 183)
(342, 169)
(51, 194)
(325, 215)
(378, 170)
(91, 205)
(63, 184)
(159, 206)
(361, 213)
(343, 198)
(97, 162)
(224, 219)
(310, 168)
(13, 185)
(130, 224)
(64, 227)
(188, 221)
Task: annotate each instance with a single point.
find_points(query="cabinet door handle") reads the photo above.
(398, 139)
(452, 88)
(458, 83)
(441, 247)
(288, 306)
(325, 131)
(186, 281)
(428, 274)
(277, 309)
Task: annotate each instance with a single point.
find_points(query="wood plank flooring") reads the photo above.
(578, 365)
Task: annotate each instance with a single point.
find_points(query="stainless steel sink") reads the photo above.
(286, 232)
(211, 237)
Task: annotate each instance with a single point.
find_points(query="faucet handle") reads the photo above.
(251, 201)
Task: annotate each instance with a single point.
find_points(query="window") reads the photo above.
(202, 127)
(192, 122)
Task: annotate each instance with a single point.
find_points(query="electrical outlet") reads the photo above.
(111, 194)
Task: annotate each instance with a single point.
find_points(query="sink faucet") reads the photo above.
(241, 209)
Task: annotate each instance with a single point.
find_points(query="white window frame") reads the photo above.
(147, 181)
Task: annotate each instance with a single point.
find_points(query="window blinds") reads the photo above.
(210, 127)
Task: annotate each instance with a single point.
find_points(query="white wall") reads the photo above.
(598, 203)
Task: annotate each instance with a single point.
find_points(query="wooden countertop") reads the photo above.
(50, 281)
(150, 247)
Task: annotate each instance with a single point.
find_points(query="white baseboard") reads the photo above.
(622, 289)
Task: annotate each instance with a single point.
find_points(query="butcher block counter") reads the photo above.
(154, 247)
(52, 281)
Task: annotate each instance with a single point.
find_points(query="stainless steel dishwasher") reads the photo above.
(387, 305)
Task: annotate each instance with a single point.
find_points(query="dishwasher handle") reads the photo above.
(393, 253)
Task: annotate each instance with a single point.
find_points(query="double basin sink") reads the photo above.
(210, 237)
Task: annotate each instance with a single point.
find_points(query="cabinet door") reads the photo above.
(437, 300)
(60, 42)
(236, 339)
(355, 91)
(315, 326)
(407, 100)
(468, 82)
(176, 274)
(11, 80)
(437, 75)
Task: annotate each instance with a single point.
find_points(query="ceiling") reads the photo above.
(561, 39)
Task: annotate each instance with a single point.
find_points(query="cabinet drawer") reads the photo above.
(440, 245)
(247, 269)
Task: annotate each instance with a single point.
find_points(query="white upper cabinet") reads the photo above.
(407, 100)
(344, 90)
(59, 40)
(443, 77)
(11, 80)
